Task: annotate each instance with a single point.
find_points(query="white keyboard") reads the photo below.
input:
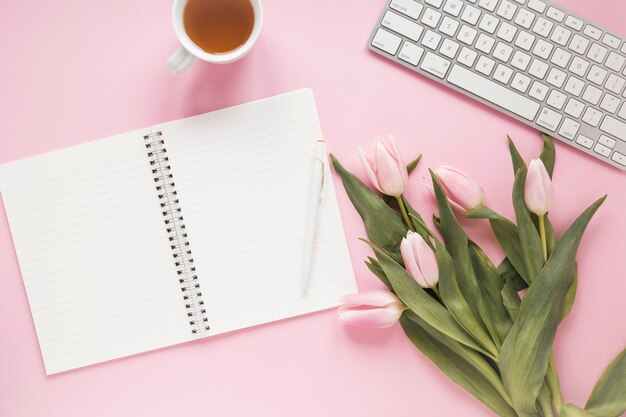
(530, 59)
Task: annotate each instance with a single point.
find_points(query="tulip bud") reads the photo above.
(377, 309)
(386, 169)
(538, 192)
(419, 259)
(463, 192)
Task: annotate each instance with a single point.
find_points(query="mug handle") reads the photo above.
(180, 60)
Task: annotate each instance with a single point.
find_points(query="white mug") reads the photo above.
(189, 51)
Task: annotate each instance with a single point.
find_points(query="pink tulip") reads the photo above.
(386, 169)
(538, 193)
(420, 260)
(463, 192)
(378, 309)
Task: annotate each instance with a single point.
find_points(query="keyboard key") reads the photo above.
(579, 44)
(556, 77)
(507, 32)
(597, 53)
(386, 41)
(615, 83)
(520, 60)
(488, 4)
(470, 15)
(610, 103)
(556, 99)
(525, 40)
(489, 23)
(506, 10)
(520, 82)
(611, 41)
(431, 17)
(561, 35)
(467, 35)
(549, 119)
(539, 91)
(543, 27)
(574, 86)
(503, 74)
(411, 53)
(592, 95)
(453, 7)
(614, 128)
(485, 43)
(592, 32)
(410, 8)
(537, 5)
(597, 75)
(561, 57)
(602, 150)
(435, 3)
(579, 66)
(592, 116)
(574, 108)
(493, 92)
(402, 25)
(485, 65)
(502, 52)
(449, 26)
(569, 128)
(623, 50)
(467, 57)
(619, 158)
(607, 141)
(435, 65)
(622, 112)
(525, 18)
(542, 49)
(431, 40)
(449, 48)
(555, 14)
(574, 23)
(538, 69)
(615, 61)
(584, 141)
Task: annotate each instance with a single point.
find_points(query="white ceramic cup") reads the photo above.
(189, 51)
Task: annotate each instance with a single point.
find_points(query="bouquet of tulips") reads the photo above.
(488, 328)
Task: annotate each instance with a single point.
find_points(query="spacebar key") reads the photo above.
(493, 92)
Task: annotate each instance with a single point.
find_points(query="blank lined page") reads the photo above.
(243, 176)
(93, 252)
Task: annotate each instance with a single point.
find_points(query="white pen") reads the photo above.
(315, 197)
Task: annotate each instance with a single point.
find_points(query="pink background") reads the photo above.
(74, 71)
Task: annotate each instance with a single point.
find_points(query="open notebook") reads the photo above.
(180, 231)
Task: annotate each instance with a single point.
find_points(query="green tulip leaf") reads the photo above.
(507, 235)
(608, 398)
(375, 268)
(453, 298)
(494, 313)
(516, 158)
(418, 223)
(456, 242)
(530, 242)
(383, 225)
(548, 154)
(527, 348)
(513, 283)
(461, 364)
(413, 164)
(419, 301)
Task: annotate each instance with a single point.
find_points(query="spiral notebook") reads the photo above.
(180, 231)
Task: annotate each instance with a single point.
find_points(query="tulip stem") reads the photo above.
(436, 291)
(542, 234)
(405, 215)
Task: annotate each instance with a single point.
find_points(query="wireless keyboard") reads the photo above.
(530, 59)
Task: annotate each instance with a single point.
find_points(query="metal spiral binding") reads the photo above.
(176, 233)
